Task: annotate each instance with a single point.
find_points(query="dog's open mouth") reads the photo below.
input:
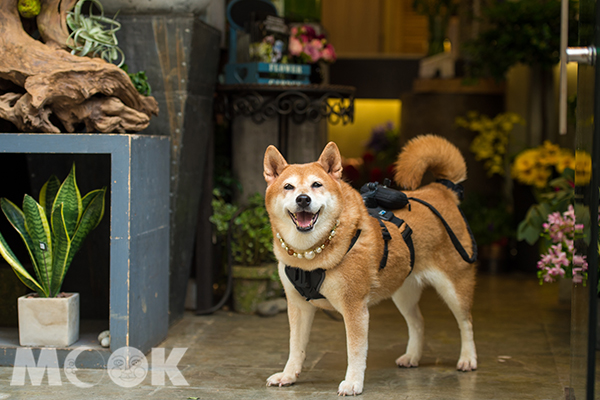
(304, 220)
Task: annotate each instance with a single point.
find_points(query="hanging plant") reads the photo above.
(94, 35)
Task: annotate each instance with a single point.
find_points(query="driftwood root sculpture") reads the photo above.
(42, 82)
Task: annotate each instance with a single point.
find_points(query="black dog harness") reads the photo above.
(379, 199)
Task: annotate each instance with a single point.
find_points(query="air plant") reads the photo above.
(94, 35)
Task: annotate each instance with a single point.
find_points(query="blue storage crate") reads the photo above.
(238, 14)
(263, 73)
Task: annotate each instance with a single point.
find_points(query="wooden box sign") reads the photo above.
(242, 16)
(267, 73)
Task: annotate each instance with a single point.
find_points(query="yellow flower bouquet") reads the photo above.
(492, 139)
(553, 172)
(536, 166)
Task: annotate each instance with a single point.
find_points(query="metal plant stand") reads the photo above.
(294, 118)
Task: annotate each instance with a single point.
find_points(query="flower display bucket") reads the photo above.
(251, 286)
(52, 322)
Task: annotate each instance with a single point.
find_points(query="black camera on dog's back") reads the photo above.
(375, 195)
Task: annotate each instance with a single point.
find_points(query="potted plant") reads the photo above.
(491, 223)
(438, 13)
(53, 230)
(254, 268)
(523, 32)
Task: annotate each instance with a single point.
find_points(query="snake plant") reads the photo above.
(53, 230)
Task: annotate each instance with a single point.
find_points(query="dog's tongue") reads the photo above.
(304, 219)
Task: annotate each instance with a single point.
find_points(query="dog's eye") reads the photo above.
(288, 187)
(317, 185)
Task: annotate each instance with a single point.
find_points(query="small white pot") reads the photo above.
(52, 322)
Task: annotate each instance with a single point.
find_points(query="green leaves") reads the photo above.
(90, 218)
(68, 194)
(21, 272)
(531, 228)
(38, 228)
(252, 238)
(556, 199)
(94, 35)
(139, 80)
(48, 193)
(63, 247)
(525, 31)
(16, 217)
(52, 244)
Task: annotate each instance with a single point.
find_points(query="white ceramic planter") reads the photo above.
(52, 322)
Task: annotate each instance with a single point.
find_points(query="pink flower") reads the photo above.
(312, 52)
(309, 31)
(555, 218)
(295, 47)
(570, 213)
(328, 53)
(294, 31)
(579, 261)
(317, 44)
(561, 259)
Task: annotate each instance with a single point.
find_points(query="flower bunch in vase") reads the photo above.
(493, 135)
(269, 50)
(306, 47)
(537, 165)
(560, 260)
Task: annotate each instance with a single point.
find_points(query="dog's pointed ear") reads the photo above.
(331, 160)
(273, 165)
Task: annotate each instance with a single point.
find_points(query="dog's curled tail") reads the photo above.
(429, 152)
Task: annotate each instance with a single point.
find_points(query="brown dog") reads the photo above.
(315, 215)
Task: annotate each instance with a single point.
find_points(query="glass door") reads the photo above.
(584, 302)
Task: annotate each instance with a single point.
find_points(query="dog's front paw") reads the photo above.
(408, 361)
(350, 388)
(467, 364)
(281, 379)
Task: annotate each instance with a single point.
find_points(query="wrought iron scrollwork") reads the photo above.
(299, 105)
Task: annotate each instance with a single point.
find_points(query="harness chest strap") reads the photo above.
(308, 283)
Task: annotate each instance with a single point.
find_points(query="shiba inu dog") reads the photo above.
(331, 251)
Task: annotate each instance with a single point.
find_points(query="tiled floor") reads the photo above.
(521, 332)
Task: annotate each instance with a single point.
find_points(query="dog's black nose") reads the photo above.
(303, 200)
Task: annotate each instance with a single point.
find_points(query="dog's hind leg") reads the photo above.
(460, 305)
(300, 315)
(407, 300)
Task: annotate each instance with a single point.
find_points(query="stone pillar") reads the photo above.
(305, 142)
(180, 55)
